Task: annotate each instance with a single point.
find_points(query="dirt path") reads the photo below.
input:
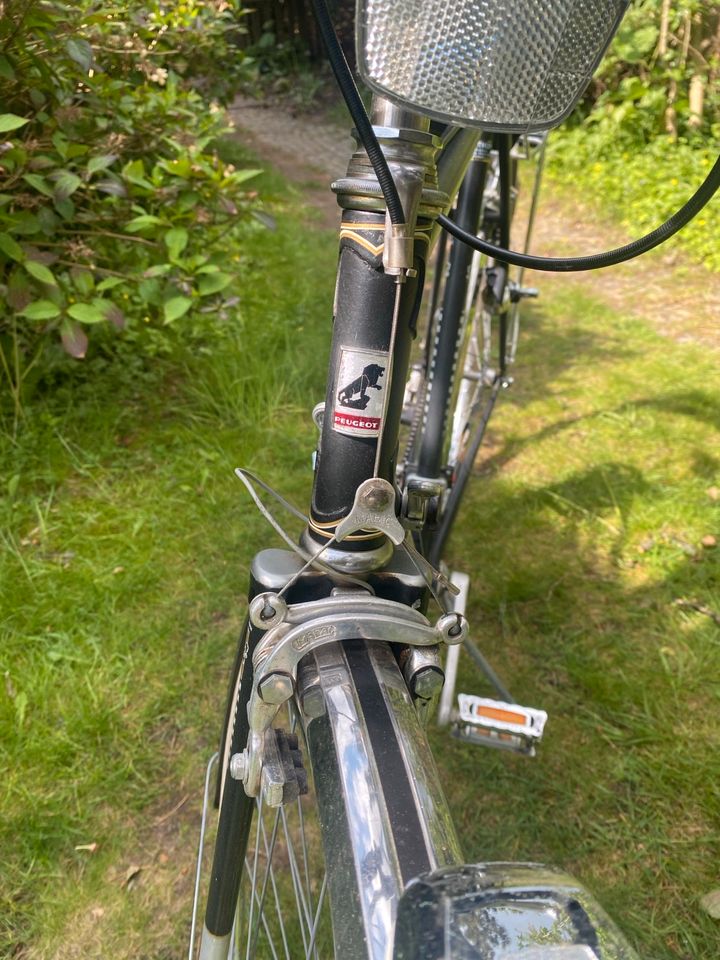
(308, 150)
(681, 300)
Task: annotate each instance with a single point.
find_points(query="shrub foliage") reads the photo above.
(115, 210)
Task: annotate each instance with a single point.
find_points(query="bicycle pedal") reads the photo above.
(494, 723)
(521, 293)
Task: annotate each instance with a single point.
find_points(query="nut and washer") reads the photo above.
(238, 765)
(453, 627)
(267, 610)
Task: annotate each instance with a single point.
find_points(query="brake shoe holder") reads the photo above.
(306, 627)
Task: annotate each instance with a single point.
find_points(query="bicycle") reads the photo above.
(338, 633)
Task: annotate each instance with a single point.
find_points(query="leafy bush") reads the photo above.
(116, 212)
(649, 130)
(661, 74)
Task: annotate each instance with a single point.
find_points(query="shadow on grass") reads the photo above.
(554, 350)
(578, 621)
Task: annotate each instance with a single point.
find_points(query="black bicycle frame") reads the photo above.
(364, 307)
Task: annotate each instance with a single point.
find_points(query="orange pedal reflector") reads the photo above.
(501, 724)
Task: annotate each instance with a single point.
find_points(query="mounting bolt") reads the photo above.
(313, 702)
(427, 682)
(276, 688)
(238, 765)
(453, 627)
(267, 610)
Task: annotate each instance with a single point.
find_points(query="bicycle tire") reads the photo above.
(381, 820)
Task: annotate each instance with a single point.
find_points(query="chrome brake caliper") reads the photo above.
(293, 631)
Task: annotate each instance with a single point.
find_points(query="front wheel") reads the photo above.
(323, 877)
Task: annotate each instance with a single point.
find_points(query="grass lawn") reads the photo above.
(126, 546)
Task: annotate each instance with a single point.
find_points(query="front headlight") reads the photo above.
(513, 65)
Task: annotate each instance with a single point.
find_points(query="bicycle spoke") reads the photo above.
(270, 874)
(303, 841)
(301, 821)
(264, 923)
(297, 885)
(253, 881)
(282, 908)
(316, 921)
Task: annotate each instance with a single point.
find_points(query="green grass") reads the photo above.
(126, 549)
(584, 535)
(126, 545)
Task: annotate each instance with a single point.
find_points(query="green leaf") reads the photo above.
(25, 223)
(176, 308)
(66, 184)
(241, 175)
(40, 272)
(102, 162)
(47, 220)
(87, 312)
(81, 52)
(11, 248)
(39, 183)
(61, 144)
(41, 310)
(149, 291)
(213, 283)
(176, 240)
(10, 121)
(158, 270)
(83, 280)
(143, 222)
(6, 70)
(134, 172)
(66, 208)
(76, 150)
(109, 283)
(182, 167)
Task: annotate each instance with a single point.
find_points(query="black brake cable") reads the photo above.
(594, 261)
(350, 93)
